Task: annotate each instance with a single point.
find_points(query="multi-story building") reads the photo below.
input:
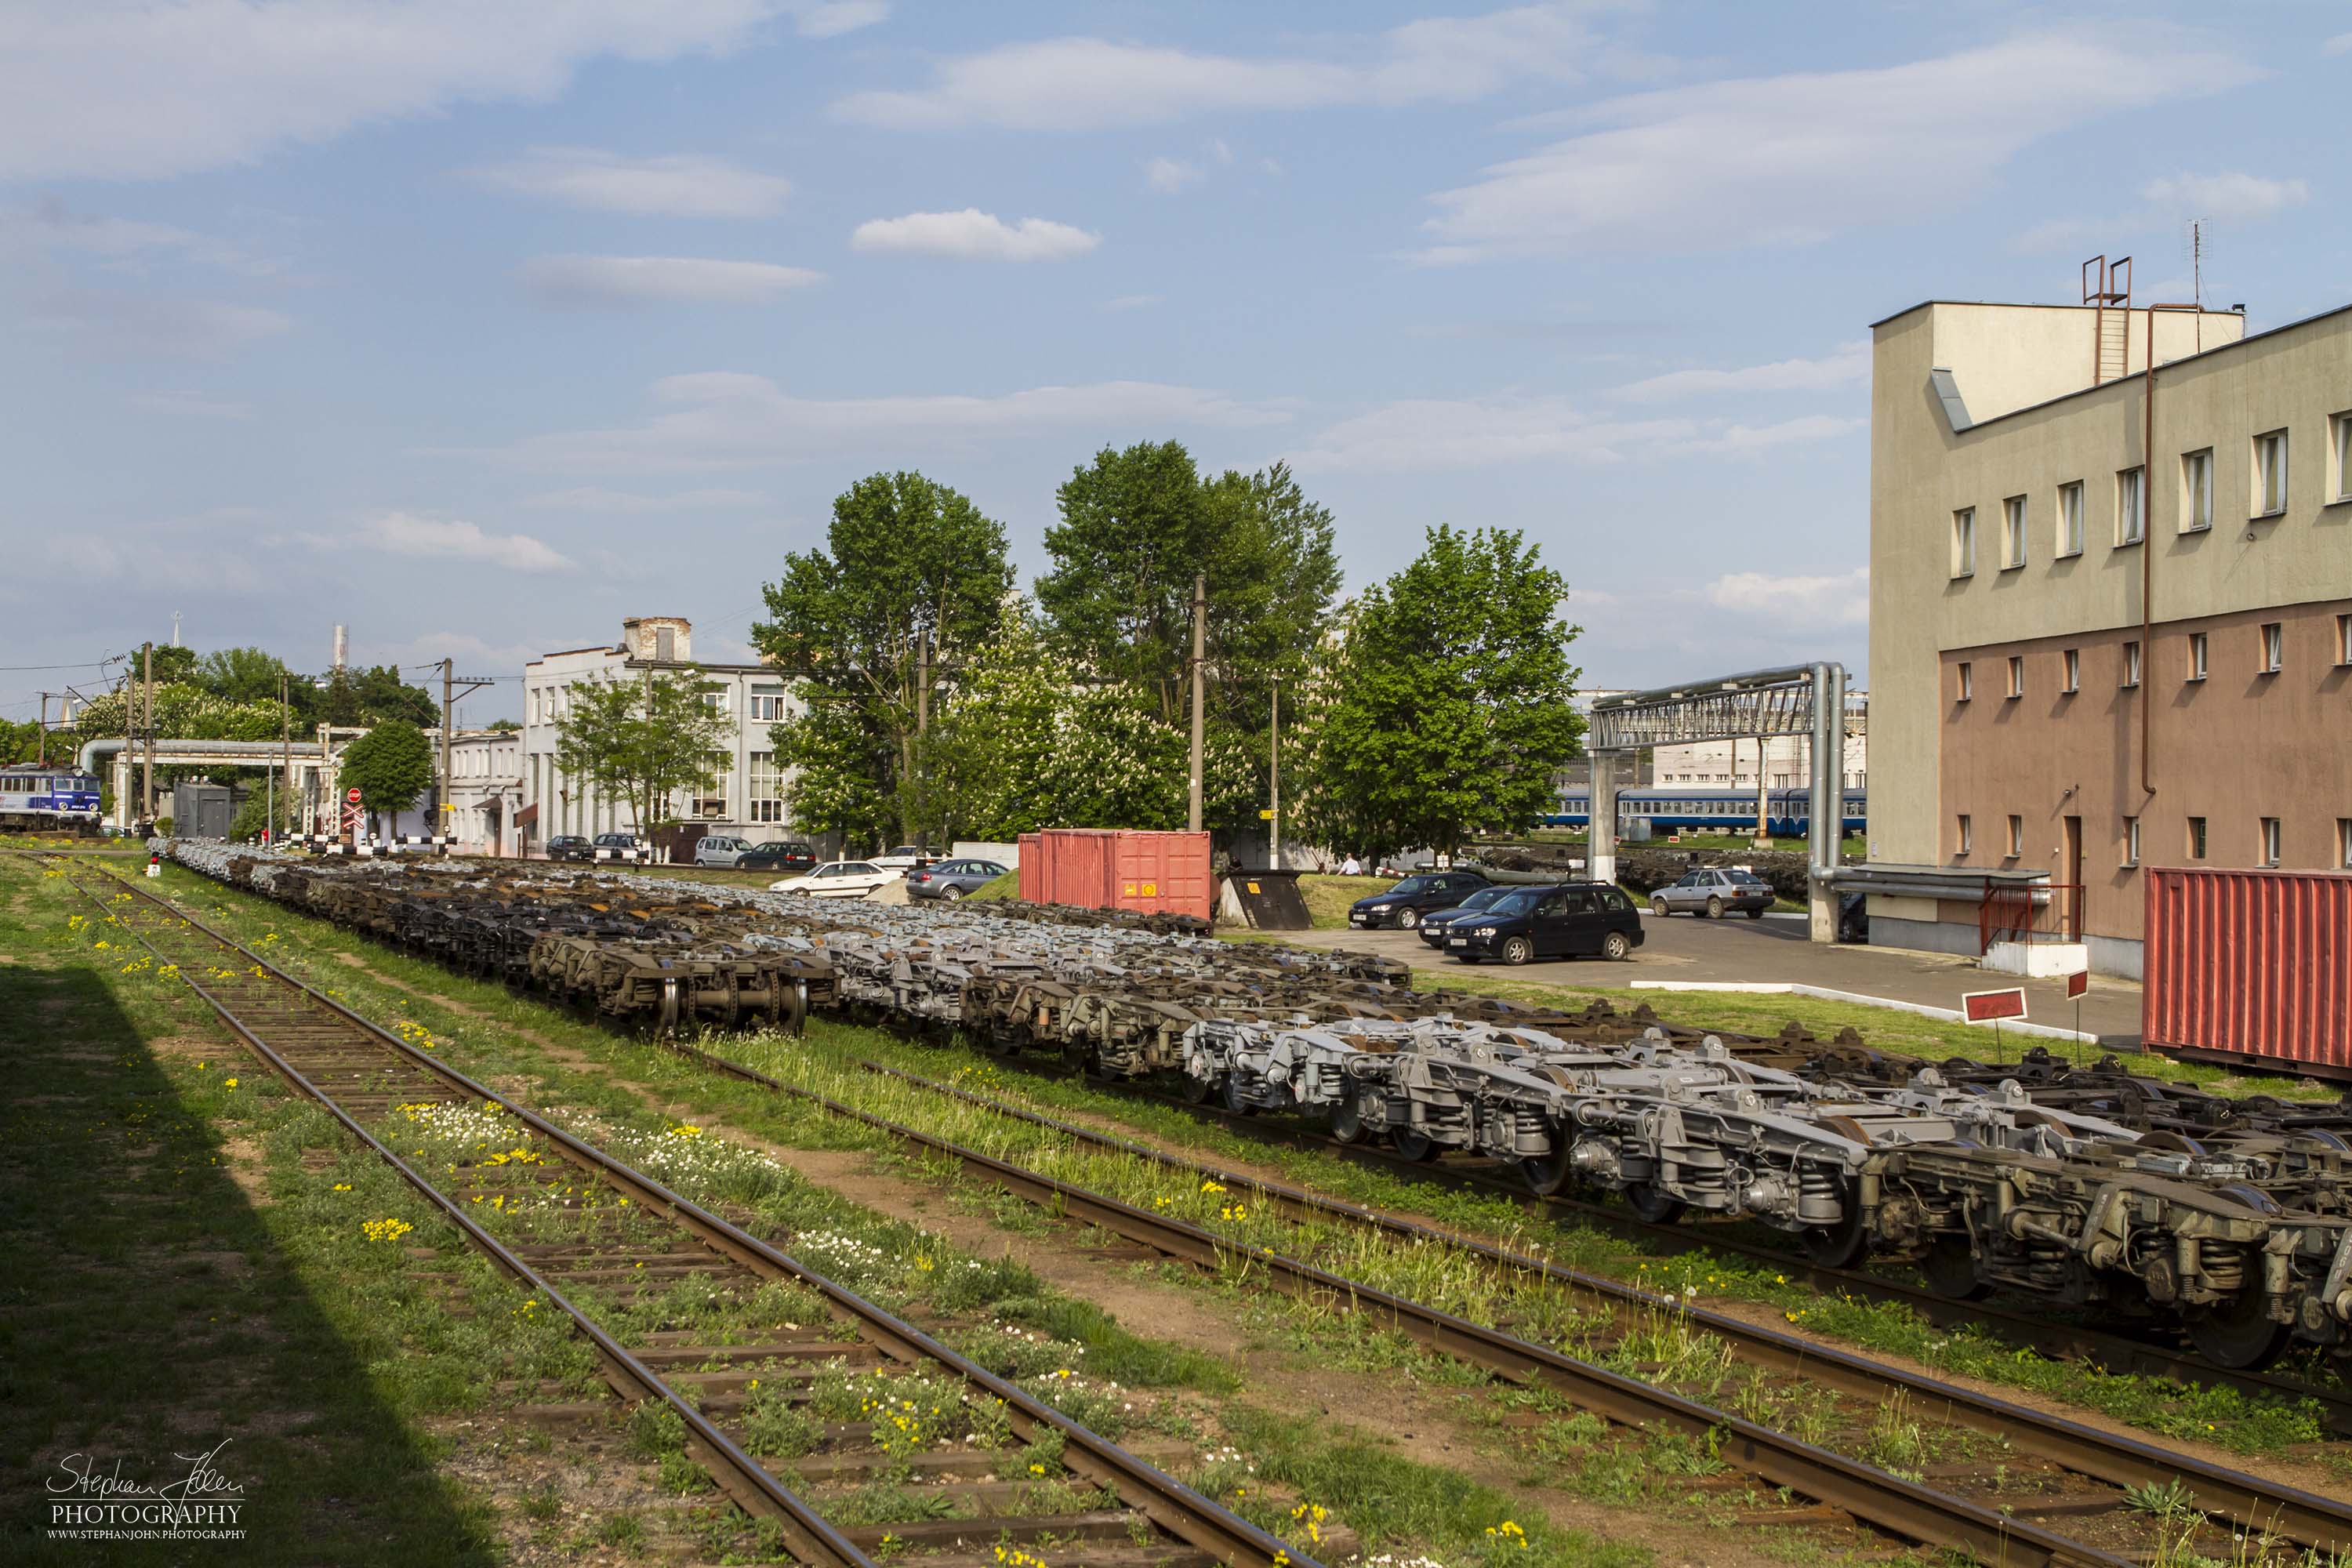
(1788, 762)
(485, 788)
(748, 794)
(2111, 610)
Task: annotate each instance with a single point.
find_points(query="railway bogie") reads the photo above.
(2090, 1187)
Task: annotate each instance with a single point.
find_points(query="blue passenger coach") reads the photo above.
(1788, 812)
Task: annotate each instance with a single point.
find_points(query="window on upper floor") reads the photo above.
(2016, 676)
(1964, 836)
(1964, 543)
(2274, 646)
(2071, 670)
(2016, 837)
(2339, 444)
(2070, 519)
(2131, 506)
(2344, 640)
(2196, 490)
(1966, 679)
(2196, 656)
(2196, 838)
(2012, 533)
(2131, 664)
(2270, 473)
(2268, 841)
(2131, 840)
(2343, 842)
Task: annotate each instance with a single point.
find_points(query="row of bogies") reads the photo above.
(2245, 1237)
(2247, 1241)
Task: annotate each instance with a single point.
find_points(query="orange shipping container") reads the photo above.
(1118, 869)
(2252, 967)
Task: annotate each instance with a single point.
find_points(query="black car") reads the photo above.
(570, 847)
(777, 855)
(1433, 923)
(1403, 905)
(1571, 919)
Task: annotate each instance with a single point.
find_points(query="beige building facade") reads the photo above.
(2111, 614)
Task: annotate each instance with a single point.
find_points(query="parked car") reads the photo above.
(1714, 891)
(952, 878)
(777, 854)
(570, 847)
(905, 858)
(718, 849)
(1403, 905)
(838, 880)
(1570, 920)
(1434, 924)
(615, 846)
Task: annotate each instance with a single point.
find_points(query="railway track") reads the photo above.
(2059, 1341)
(603, 1234)
(2062, 1493)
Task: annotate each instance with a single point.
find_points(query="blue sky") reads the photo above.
(478, 329)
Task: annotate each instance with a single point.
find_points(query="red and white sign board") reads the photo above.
(2078, 983)
(1987, 1006)
(353, 794)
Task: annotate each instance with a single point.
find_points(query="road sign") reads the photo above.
(2078, 983)
(353, 794)
(1991, 1006)
(1265, 816)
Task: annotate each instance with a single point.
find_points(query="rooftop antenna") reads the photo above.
(2197, 260)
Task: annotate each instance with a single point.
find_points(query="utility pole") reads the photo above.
(147, 692)
(1762, 838)
(1200, 706)
(441, 792)
(42, 759)
(286, 738)
(1274, 768)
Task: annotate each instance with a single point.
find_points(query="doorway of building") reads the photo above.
(2073, 895)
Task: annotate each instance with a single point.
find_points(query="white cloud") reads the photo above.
(1425, 434)
(2338, 45)
(1839, 600)
(720, 419)
(1794, 159)
(972, 234)
(1168, 176)
(676, 186)
(1078, 83)
(122, 244)
(430, 539)
(145, 326)
(593, 498)
(635, 279)
(2237, 196)
(1846, 365)
(830, 19)
(133, 90)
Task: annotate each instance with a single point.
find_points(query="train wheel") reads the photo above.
(1418, 1147)
(1348, 1119)
(1949, 1268)
(2240, 1334)
(1195, 1091)
(1838, 1245)
(1547, 1173)
(1236, 1100)
(1654, 1204)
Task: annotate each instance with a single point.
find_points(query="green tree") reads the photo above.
(643, 739)
(390, 766)
(264, 808)
(1445, 707)
(250, 675)
(993, 767)
(911, 581)
(22, 742)
(167, 663)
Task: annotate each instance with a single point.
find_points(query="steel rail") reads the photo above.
(2120, 1461)
(1193, 1518)
(2062, 1341)
(812, 1540)
(1903, 1508)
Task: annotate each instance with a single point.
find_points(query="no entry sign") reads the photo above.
(352, 795)
(1987, 1006)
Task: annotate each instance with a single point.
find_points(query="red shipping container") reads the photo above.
(1118, 869)
(2250, 968)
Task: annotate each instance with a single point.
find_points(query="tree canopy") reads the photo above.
(390, 766)
(643, 739)
(1445, 707)
(911, 581)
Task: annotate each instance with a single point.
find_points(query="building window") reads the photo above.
(2344, 640)
(2196, 838)
(2012, 533)
(2344, 841)
(1967, 679)
(2340, 443)
(1964, 543)
(1967, 837)
(2196, 656)
(716, 700)
(2072, 664)
(2131, 506)
(2270, 841)
(2016, 676)
(2273, 647)
(768, 708)
(2270, 474)
(2070, 519)
(764, 789)
(2131, 664)
(2197, 490)
(2131, 840)
(2016, 837)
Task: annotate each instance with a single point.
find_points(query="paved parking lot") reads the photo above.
(1774, 949)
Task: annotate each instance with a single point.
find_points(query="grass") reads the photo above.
(1008, 886)
(1328, 896)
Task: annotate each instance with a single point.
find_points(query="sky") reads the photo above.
(478, 329)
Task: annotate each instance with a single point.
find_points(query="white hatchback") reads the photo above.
(838, 880)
